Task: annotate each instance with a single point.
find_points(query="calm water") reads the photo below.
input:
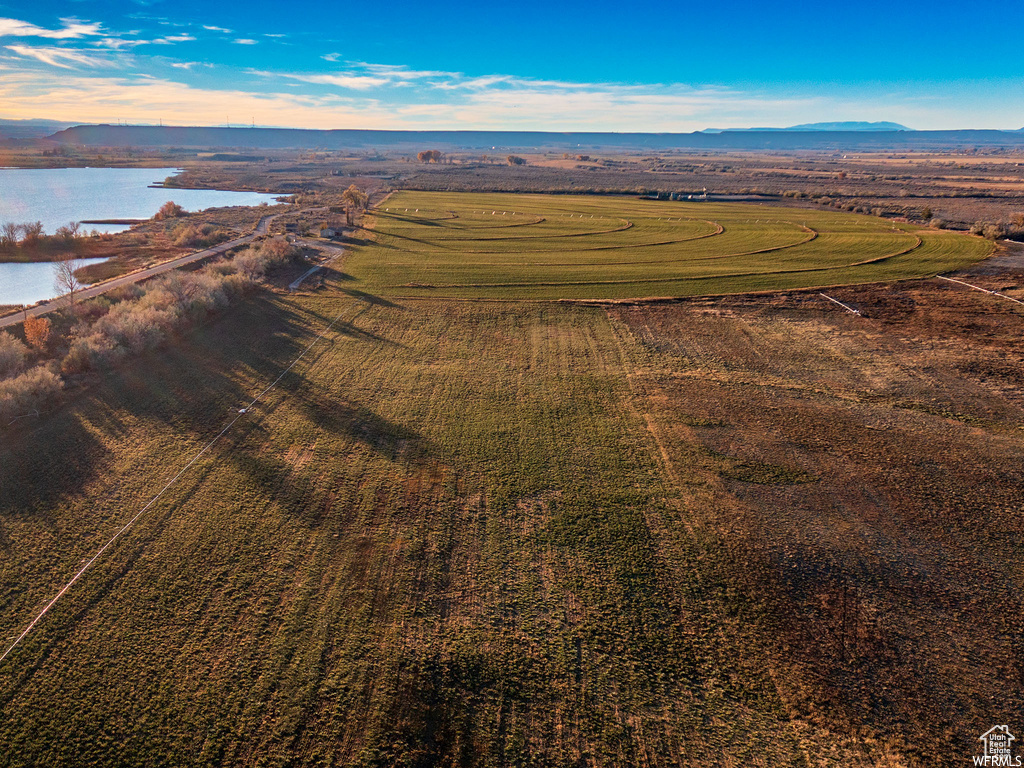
(56, 196)
(29, 283)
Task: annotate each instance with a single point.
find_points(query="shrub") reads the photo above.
(28, 392)
(169, 210)
(937, 223)
(12, 355)
(198, 235)
(37, 332)
(994, 231)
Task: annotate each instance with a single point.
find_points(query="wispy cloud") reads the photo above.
(245, 41)
(332, 57)
(72, 29)
(170, 39)
(355, 82)
(59, 57)
(217, 29)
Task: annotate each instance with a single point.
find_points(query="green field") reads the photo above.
(554, 247)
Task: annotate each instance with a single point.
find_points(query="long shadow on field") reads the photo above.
(189, 387)
(370, 298)
(61, 624)
(272, 476)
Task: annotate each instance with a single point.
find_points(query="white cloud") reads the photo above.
(357, 82)
(332, 57)
(188, 65)
(169, 39)
(73, 28)
(245, 41)
(217, 29)
(59, 57)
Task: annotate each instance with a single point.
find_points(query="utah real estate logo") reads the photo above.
(998, 748)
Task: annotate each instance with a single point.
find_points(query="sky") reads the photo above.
(571, 66)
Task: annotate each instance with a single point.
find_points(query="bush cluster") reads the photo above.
(127, 321)
(28, 392)
(143, 319)
(22, 391)
(198, 235)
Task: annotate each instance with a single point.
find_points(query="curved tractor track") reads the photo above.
(460, 246)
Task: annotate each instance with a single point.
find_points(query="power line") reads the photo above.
(172, 481)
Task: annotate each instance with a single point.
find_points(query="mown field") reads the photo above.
(550, 247)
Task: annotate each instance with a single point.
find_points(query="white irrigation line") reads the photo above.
(847, 307)
(172, 481)
(983, 290)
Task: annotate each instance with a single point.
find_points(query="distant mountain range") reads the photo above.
(798, 137)
(30, 129)
(846, 126)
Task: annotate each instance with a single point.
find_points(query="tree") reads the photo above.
(515, 160)
(37, 332)
(10, 234)
(169, 210)
(354, 197)
(69, 231)
(64, 279)
(430, 156)
(31, 234)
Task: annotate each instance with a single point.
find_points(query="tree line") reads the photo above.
(31, 237)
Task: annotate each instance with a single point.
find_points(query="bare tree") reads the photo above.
(31, 234)
(10, 234)
(64, 279)
(69, 231)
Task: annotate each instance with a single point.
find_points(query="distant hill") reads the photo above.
(847, 126)
(850, 126)
(498, 141)
(29, 129)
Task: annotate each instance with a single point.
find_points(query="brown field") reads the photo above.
(864, 477)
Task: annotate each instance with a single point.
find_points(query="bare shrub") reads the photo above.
(28, 392)
(12, 355)
(198, 235)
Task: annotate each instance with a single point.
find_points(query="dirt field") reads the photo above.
(864, 475)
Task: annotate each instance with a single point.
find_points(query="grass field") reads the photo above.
(430, 546)
(552, 247)
(511, 534)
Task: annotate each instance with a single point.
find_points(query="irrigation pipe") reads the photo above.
(983, 290)
(847, 307)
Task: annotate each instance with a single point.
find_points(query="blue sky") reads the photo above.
(678, 66)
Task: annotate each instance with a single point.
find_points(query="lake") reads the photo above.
(29, 283)
(56, 196)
